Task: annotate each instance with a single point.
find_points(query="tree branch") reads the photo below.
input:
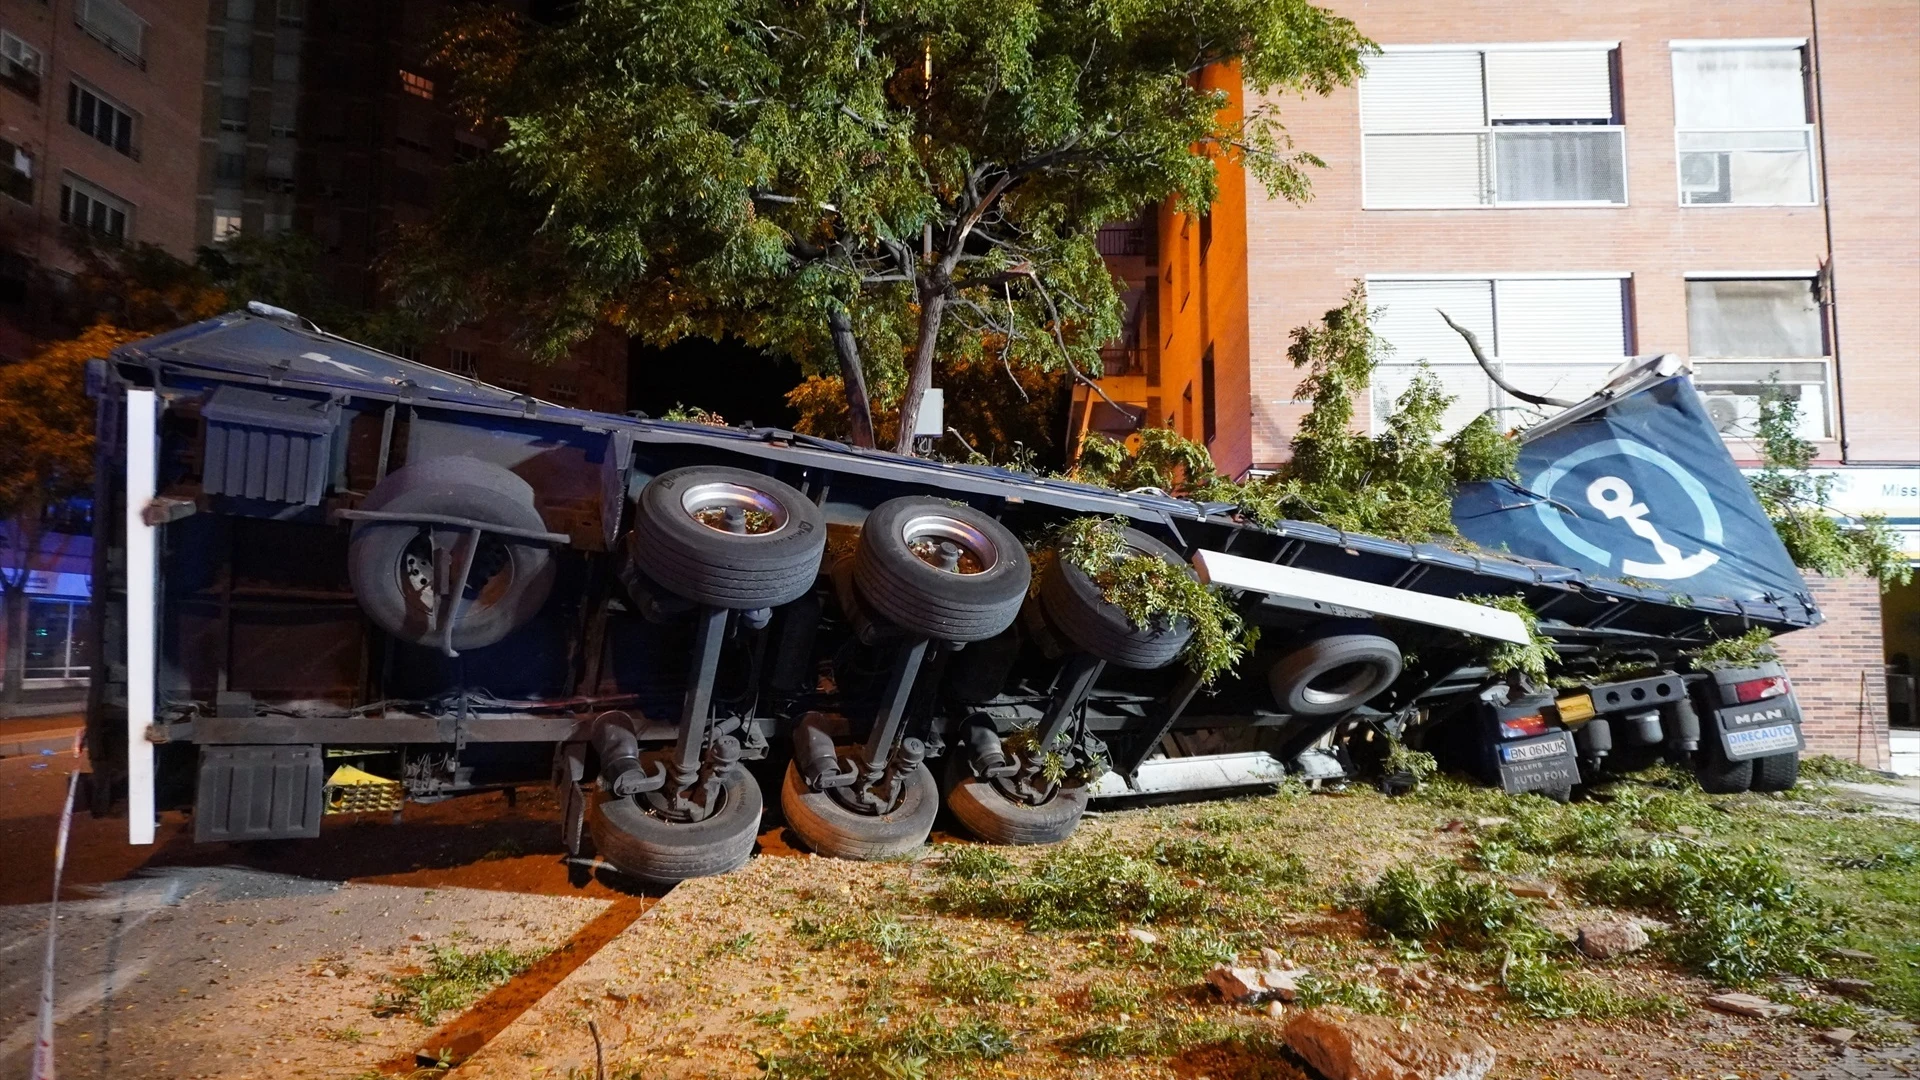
(1061, 341)
(1473, 344)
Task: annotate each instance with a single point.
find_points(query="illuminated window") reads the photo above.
(417, 85)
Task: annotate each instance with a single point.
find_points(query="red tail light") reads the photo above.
(1521, 727)
(1761, 689)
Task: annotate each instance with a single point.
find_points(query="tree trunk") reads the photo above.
(933, 306)
(15, 656)
(853, 378)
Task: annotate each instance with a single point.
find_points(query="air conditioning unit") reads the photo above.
(1733, 414)
(1700, 173)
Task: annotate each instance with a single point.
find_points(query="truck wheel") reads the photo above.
(1776, 772)
(994, 816)
(1076, 607)
(834, 829)
(1718, 775)
(939, 570)
(1335, 672)
(727, 537)
(391, 562)
(656, 851)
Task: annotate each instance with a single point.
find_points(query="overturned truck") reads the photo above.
(329, 580)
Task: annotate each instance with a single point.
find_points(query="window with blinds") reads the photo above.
(84, 206)
(1752, 336)
(1522, 126)
(1742, 128)
(1552, 336)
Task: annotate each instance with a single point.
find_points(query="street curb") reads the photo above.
(34, 742)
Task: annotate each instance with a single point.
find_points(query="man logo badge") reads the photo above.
(1614, 498)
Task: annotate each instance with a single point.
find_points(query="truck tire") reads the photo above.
(898, 572)
(681, 542)
(1717, 774)
(991, 816)
(1776, 772)
(1076, 607)
(654, 851)
(838, 832)
(391, 562)
(1336, 672)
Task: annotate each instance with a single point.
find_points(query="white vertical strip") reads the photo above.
(143, 599)
(43, 1039)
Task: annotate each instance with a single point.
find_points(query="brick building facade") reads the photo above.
(1838, 671)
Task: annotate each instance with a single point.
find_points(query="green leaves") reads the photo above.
(1817, 537)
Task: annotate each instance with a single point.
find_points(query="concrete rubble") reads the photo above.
(1748, 1005)
(1343, 1046)
(1606, 940)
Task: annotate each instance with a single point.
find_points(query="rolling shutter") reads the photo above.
(1738, 88)
(1404, 314)
(1561, 319)
(1550, 85)
(1421, 91)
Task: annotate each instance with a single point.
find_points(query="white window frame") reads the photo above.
(1376, 419)
(1828, 396)
(1489, 130)
(72, 648)
(11, 43)
(1812, 133)
(81, 185)
(135, 122)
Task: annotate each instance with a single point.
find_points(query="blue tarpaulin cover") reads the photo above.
(1642, 489)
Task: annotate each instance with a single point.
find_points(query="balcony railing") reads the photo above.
(1126, 238)
(1121, 360)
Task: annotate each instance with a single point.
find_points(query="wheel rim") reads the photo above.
(1339, 683)
(487, 583)
(655, 803)
(950, 545)
(735, 509)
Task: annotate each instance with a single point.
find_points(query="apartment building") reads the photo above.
(99, 123)
(1734, 184)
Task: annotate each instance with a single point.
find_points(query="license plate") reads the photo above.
(1761, 742)
(1543, 764)
(1761, 729)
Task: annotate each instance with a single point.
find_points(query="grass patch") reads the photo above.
(973, 982)
(1228, 865)
(885, 936)
(868, 1047)
(454, 979)
(1147, 1037)
(1092, 886)
(1449, 909)
(1544, 989)
(1739, 915)
(1826, 767)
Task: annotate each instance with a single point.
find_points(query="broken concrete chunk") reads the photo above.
(1527, 887)
(1838, 1036)
(1747, 1005)
(1343, 1046)
(1606, 940)
(1490, 822)
(1853, 988)
(1275, 1010)
(1236, 983)
(1271, 958)
(1854, 954)
(1283, 983)
(1144, 937)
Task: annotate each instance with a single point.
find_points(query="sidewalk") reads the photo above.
(27, 735)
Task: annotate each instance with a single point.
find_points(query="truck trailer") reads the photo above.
(330, 580)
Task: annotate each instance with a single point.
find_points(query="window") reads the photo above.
(237, 61)
(464, 362)
(230, 167)
(286, 67)
(1746, 334)
(293, 14)
(516, 384)
(20, 66)
(564, 392)
(85, 206)
(418, 86)
(115, 25)
(233, 113)
(16, 171)
(101, 118)
(1491, 127)
(226, 225)
(1550, 335)
(1208, 417)
(57, 633)
(1741, 126)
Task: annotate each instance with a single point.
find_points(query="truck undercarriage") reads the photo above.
(333, 580)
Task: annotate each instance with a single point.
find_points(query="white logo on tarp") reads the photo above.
(1614, 498)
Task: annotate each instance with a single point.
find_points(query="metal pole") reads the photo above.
(143, 600)
(43, 1042)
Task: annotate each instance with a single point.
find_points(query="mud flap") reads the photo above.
(258, 793)
(1761, 729)
(1546, 763)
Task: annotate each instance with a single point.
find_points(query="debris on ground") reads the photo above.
(1345, 1046)
(1748, 1005)
(1606, 940)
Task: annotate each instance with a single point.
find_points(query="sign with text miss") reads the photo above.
(1642, 490)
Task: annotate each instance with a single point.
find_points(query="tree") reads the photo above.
(875, 181)
(46, 458)
(1797, 500)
